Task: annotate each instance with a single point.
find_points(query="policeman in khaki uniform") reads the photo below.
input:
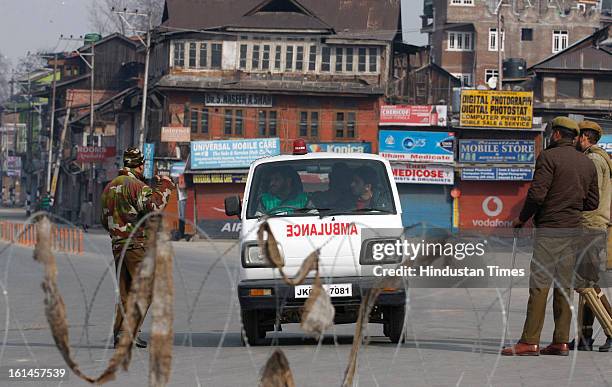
(564, 185)
(592, 245)
(125, 201)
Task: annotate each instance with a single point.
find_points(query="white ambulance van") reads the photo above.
(317, 200)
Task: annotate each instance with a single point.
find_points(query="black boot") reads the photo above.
(586, 344)
(138, 342)
(607, 347)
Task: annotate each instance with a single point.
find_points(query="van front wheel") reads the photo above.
(394, 323)
(252, 332)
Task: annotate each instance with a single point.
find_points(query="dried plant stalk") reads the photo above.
(162, 333)
(55, 308)
(276, 372)
(318, 312)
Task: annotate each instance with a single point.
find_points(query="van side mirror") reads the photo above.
(233, 206)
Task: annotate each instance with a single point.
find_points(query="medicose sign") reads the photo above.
(496, 109)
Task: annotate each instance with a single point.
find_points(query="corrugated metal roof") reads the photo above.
(285, 86)
(368, 19)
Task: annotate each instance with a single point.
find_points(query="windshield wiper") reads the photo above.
(353, 212)
(297, 211)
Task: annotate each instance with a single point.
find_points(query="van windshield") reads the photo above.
(320, 187)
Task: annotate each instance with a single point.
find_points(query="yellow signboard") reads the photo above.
(212, 178)
(496, 109)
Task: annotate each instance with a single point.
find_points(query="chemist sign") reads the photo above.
(496, 109)
(231, 153)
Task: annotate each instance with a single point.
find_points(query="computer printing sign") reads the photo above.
(231, 153)
(399, 145)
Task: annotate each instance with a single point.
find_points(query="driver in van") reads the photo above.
(285, 192)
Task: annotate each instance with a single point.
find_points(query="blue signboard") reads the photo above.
(341, 147)
(149, 153)
(177, 168)
(497, 151)
(416, 146)
(512, 174)
(231, 153)
(605, 142)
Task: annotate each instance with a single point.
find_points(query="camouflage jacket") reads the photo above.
(125, 201)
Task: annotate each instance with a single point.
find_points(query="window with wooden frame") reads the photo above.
(216, 54)
(325, 59)
(345, 124)
(265, 61)
(312, 58)
(243, 56)
(349, 59)
(339, 57)
(233, 122)
(267, 122)
(309, 124)
(362, 54)
(193, 52)
(199, 120)
(178, 54)
(203, 55)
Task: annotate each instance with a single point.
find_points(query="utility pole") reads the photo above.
(499, 41)
(51, 125)
(91, 64)
(147, 45)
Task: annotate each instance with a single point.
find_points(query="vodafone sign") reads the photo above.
(423, 174)
(490, 204)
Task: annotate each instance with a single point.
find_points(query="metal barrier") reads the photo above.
(65, 239)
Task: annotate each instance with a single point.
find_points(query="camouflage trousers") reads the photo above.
(125, 274)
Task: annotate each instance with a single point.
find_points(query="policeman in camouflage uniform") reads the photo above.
(125, 201)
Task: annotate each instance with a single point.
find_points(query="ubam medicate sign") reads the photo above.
(496, 109)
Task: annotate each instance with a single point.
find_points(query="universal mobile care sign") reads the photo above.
(496, 109)
(231, 153)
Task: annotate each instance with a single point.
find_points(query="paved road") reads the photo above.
(453, 340)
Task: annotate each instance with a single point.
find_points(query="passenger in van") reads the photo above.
(364, 187)
(285, 192)
(339, 195)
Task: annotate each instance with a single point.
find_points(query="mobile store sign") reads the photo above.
(398, 145)
(497, 151)
(605, 143)
(413, 115)
(496, 109)
(423, 174)
(231, 153)
(496, 174)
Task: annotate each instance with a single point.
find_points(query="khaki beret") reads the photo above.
(566, 123)
(590, 125)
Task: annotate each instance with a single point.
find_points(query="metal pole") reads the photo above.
(143, 113)
(91, 96)
(51, 126)
(499, 50)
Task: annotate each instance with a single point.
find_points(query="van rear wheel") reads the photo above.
(394, 323)
(253, 333)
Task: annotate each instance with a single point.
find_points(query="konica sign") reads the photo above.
(341, 147)
(400, 145)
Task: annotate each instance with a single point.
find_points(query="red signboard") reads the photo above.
(490, 204)
(413, 115)
(94, 154)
